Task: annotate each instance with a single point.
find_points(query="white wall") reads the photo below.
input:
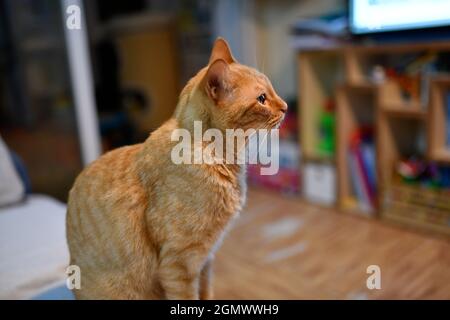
(275, 18)
(258, 32)
(234, 20)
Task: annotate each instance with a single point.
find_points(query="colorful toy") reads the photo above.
(426, 174)
(327, 124)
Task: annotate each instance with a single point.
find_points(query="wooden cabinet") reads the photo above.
(149, 64)
(415, 125)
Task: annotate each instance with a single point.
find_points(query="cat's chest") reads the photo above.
(225, 207)
(227, 198)
(200, 204)
(219, 204)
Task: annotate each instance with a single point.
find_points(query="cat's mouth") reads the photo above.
(275, 123)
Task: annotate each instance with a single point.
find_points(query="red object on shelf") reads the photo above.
(287, 180)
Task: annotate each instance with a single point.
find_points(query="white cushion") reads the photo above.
(11, 187)
(33, 247)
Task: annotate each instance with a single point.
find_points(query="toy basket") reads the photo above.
(417, 206)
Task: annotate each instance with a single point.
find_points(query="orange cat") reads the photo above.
(140, 226)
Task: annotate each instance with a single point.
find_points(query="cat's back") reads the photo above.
(105, 218)
(108, 177)
(109, 198)
(108, 187)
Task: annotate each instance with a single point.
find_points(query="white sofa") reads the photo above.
(33, 249)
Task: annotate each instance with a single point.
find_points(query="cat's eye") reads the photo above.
(262, 98)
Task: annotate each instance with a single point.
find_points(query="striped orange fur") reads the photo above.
(140, 226)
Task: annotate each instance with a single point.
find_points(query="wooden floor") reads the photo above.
(283, 248)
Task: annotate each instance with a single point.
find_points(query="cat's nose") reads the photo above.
(283, 106)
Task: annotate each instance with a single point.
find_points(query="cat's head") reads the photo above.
(234, 95)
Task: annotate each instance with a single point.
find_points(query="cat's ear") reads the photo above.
(216, 80)
(221, 50)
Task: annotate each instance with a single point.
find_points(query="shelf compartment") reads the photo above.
(319, 73)
(355, 109)
(439, 120)
(401, 138)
